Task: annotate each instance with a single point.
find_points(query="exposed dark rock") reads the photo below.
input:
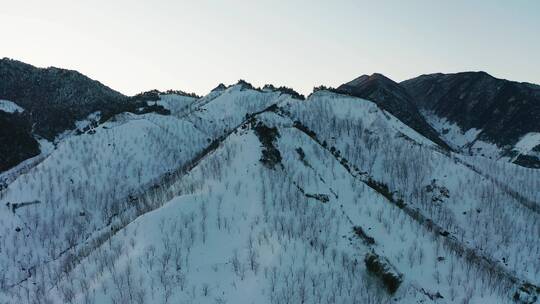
(16, 140)
(432, 296)
(220, 87)
(527, 294)
(438, 193)
(244, 85)
(267, 136)
(382, 269)
(16, 206)
(297, 124)
(527, 161)
(323, 198)
(363, 235)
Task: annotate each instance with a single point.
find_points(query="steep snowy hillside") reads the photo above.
(431, 184)
(254, 196)
(393, 98)
(83, 185)
(251, 195)
(16, 141)
(244, 227)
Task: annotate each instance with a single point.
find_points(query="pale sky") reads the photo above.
(133, 46)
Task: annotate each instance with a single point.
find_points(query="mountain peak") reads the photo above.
(365, 79)
(220, 87)
(244, 84)
(390, 96)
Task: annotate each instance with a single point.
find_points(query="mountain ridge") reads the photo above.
(404, 100)
(390, 96)
(246, 190)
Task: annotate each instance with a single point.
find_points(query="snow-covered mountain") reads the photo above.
(38, 105)
(390, 96)
(251, 195)
(479, 114)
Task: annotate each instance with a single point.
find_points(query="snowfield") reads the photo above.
(253, 196)
(467, 141)
(10, 107)
(528, 142)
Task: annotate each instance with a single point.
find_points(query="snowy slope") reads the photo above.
(224, 110)
(252, 196)
(84, 183)
(10, 107)
(177, 104)
(479, 212)
(468, 142)
(245, 233)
